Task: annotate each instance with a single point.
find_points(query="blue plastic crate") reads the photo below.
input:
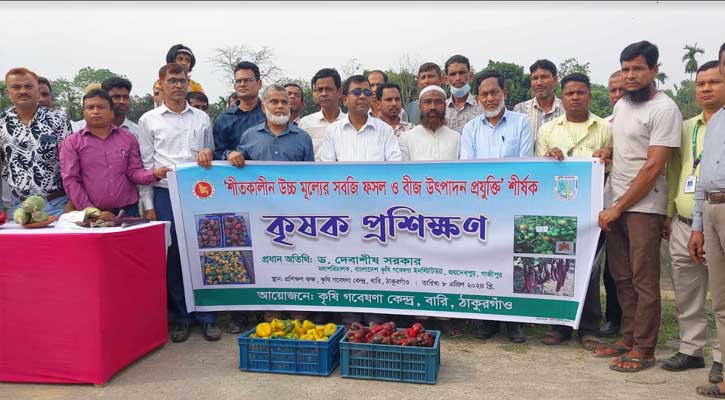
(391, 363)
(286, 356)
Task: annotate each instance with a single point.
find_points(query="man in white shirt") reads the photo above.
(171, 134)
(326, 92)
(432, 139)
(359, 137)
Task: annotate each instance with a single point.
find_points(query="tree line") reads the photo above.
(69, 92)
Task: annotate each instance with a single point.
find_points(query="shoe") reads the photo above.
(487, 329)
(609, 329)
(211, 331)
(515, 332)
(181, 332)
(681, 362)
(715, 375)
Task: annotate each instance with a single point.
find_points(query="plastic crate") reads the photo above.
(286, 356)
(391, 363)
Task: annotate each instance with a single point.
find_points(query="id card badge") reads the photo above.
(690, 183)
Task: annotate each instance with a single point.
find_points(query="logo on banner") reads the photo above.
(203, 190)
(566, 187)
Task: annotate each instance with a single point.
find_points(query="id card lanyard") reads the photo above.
(695, 158)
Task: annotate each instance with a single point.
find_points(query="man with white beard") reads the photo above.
(275, 139)
(497, 133)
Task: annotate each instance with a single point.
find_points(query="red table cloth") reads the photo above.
(77, 307)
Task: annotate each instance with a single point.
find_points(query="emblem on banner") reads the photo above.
(203, 190)
(566, 187)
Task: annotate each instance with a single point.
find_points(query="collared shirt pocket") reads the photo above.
(511, 148)
(196, 140)
(118, 159)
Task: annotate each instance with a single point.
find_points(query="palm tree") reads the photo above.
(661, 77)
(690, 60)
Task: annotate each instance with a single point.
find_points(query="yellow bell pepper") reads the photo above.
(330, 329)
(307, 325)
(278, 325)
(264, 330)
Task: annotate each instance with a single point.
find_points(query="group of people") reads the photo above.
(664, 175)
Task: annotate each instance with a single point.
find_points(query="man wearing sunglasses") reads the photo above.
(359, 137)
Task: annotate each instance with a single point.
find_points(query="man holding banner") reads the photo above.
(480, 139)
(359, 137)
(646, 126)
(161, 146)
(577, 133)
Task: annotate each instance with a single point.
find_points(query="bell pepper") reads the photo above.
(264, 330)
(330, 329)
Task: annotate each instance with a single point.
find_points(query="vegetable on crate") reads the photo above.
(294, 330)
(388, 334)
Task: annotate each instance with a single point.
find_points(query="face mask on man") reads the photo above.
(462, 91)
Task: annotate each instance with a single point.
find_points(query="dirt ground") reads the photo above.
(470, 369)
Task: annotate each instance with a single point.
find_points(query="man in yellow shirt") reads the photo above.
(689, 278)
(577, 133)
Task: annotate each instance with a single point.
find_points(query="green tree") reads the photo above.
(140, 105)
(600, 101)
(661, 77)
(4, 99)
(518, 83)
(68, 93)
(683, 95)
(572, 65)
(690, 60)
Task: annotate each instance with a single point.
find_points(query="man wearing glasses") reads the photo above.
(359, 137)
(171, 134)
(231, 123)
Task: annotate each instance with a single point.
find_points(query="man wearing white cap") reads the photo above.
(432, 139)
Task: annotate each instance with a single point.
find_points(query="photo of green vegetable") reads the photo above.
(540, 234)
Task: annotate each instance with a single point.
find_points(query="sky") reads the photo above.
(56, 39)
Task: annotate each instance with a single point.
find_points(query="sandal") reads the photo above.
(606, 350)
(590, 342)
(711, 391)
(450, 329)
(236, 327)
(644, 363)
(554, 337)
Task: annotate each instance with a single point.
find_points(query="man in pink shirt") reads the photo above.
(101, 164)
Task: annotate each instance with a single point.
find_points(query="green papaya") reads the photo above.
(20, 216)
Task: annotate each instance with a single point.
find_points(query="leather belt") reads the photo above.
(684, 220)
(717, 197)
(49, 197)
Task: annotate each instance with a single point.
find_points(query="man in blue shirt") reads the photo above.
(498, 132)
(231, 123)
(276, 139)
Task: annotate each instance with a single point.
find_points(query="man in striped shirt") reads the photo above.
(545, 106)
